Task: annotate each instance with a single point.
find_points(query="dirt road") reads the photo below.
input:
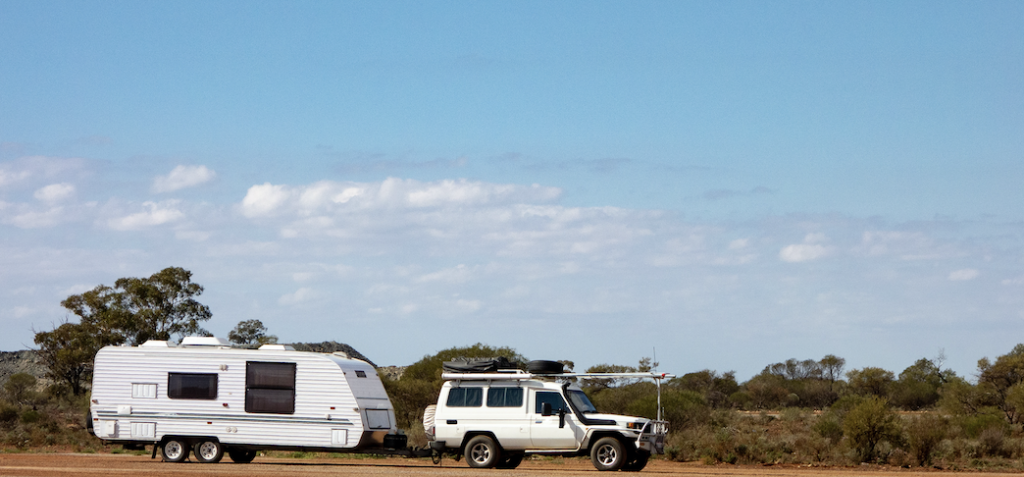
(63, 465)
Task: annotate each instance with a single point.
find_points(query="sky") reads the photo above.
(719, 185)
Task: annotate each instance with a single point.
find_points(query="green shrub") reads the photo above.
(31, 416)
(870, 423)
(829, 427)
(924, 435)
(989, 418)
(683, 409)
(8, 414)
(991, 443)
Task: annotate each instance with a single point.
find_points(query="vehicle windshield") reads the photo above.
(581, 401)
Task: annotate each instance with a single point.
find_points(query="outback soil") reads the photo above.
(61, 465)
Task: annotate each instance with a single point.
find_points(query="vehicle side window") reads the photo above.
(191, 386)
(270, 387)
(505, 397)
(550, 397)
(465, 397)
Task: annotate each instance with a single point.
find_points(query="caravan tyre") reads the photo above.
(241, 456)
(208, 451)
(482, 452)
(545, 367)
(174, 450)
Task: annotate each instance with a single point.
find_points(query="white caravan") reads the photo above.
(206, 397)
(495, 417)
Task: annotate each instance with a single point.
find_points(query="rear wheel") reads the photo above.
(482, 451)
(208, 451)
(637, 462)
(608, 454)
(241, 456)
(174, 450)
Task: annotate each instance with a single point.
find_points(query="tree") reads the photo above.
(1002, 375)
(250, 332)
(135, 310)
(869, 423)
(918, 385)
(832, 369)
(68, 352)
(162, 306)
(19, 387)
(714, 387)
(140, 309)
(873, 381)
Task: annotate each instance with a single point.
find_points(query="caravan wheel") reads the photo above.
(208, 451)
(241, 456)
(174, 450)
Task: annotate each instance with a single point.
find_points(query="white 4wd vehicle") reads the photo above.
(496, 418)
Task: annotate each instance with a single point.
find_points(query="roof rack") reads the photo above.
(519, 375)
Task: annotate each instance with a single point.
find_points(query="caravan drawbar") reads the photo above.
(208, 398)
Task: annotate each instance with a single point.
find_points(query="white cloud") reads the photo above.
(156, 214)
(811, 249)
(182, 177)
(458, 274)
(22, 311)
(964, 275)
(802, 252)
(467, 306)
(265, 199)
(192, 235)
(8, 176)
(328, 197)
(1014, 281)
(739, 244)
(55, 192)
(301, 295)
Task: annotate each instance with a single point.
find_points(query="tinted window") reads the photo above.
(554, 399)
(191, 386)
(505, 397)
(269, 387)
(278, 401)
(465, 397)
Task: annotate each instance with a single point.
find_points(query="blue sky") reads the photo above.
(729, 183)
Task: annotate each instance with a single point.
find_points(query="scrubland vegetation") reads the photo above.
(796, 412)
(800, 412)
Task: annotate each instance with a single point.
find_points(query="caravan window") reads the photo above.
(191, 386)
(270, 387)
(465, 397)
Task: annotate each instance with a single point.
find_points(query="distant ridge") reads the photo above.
(331, 347)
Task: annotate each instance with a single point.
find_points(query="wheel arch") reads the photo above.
(471, 434)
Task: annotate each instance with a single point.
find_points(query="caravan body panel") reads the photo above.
(145, 393)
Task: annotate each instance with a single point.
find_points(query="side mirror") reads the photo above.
(561, 418)
(545, 409)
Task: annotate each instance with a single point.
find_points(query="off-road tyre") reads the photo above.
(545, 367)
(511, 460)
(608, 453)
(482, 452)
(241, 456)
(637, 461)
(174, 450)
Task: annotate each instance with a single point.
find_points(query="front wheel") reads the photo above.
(482, 452)
(174, 450)
(208, 451)
(608, 454)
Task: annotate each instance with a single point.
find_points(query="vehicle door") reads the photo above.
(545, 432)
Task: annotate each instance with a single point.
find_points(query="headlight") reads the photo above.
(635, 425)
